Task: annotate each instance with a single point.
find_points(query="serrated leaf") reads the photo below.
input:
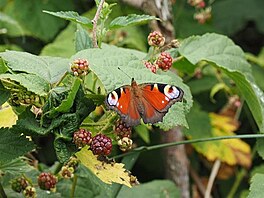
(32, 82)
(132, 19)
(256, 186)
(72, 16)
(108, 173)
(8, 117)
(13, 145)
(224, 54)
(50, 69)
(107, 60)
(15, 167)
(63, 149)
(156, 188)
(82, 39)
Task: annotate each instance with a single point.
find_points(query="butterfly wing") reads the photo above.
(157, 99)
(121, 101)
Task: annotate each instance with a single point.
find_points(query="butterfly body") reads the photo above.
(149, 101)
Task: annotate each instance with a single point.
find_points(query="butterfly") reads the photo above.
(149, 101)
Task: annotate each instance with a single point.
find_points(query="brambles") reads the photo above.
(82, 137)
(19, 184)
(122, 130)
(30, 192)
(101, 145)
(156, 39)
(80, 67)
(164, 61)
(47, 181)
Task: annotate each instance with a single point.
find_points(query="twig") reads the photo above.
(212, 178)
(94, 21)
(197, 181)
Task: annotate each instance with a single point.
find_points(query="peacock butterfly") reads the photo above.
(149, 101)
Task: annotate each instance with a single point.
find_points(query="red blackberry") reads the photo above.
(122, 130)
(19, 184)
(80, 67)
(156, 39)
(82, 137)
(101, 145)
(151, 67)
(47, 181)
(164, 61)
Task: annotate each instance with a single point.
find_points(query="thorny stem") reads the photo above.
(212, 177)
(95, 19)
(165, 145)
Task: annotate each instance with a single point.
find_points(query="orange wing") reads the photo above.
(121, 101)
(157, 99)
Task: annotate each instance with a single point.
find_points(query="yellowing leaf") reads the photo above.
(7, 116)
(230, 151)
(107, 172)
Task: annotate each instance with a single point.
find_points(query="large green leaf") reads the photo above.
(82, 39)
(32, 82)
(72, 16)
(221, 52)
(13, 145)
(33, 21)
(15, 167)
(256, 186)
(156, 188)
(107, 60)
(50, 69)
(132, 19)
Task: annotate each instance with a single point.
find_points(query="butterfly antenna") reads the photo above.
(125, 73)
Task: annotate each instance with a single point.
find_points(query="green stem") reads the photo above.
(159, 146)
(237, 182)
(2, 192)
(74, 185)
(59, 82)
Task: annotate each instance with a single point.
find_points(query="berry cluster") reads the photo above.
(30, 192)
(125, 144)
(82, 137)
(24, 97)
(164, 61)
(80, 67)
(19, 184)
(67, 171)
(99, 144)
(122, 130)
(47, 181)
(156, 39)
(203, 13)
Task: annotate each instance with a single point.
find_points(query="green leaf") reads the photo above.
(106, 61)
(3, 67)
(13, 145)
(82, 39)
(12, 26)
(32, 82)
(132, 19)
(49, 69)
(156, 188)
(256, 186)
(184, 65)
(216, 88)
(72, 16)
(198, 86)
(63, 45)
(33, 21)
(15, 167)
(64, 150)
(4, 93)
(143, 132)
(222, 53)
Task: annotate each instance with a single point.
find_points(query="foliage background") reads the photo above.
(24, 27)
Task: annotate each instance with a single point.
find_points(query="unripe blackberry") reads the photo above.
(151, 67)
(125, 144)
(47, 181)
(164, 61)
(73, 163)
(19, 184)
(101, 145)
(30, 192)
(156, 39)
(80, 67)
(122, 130)
(67, 172)
(82, 138)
